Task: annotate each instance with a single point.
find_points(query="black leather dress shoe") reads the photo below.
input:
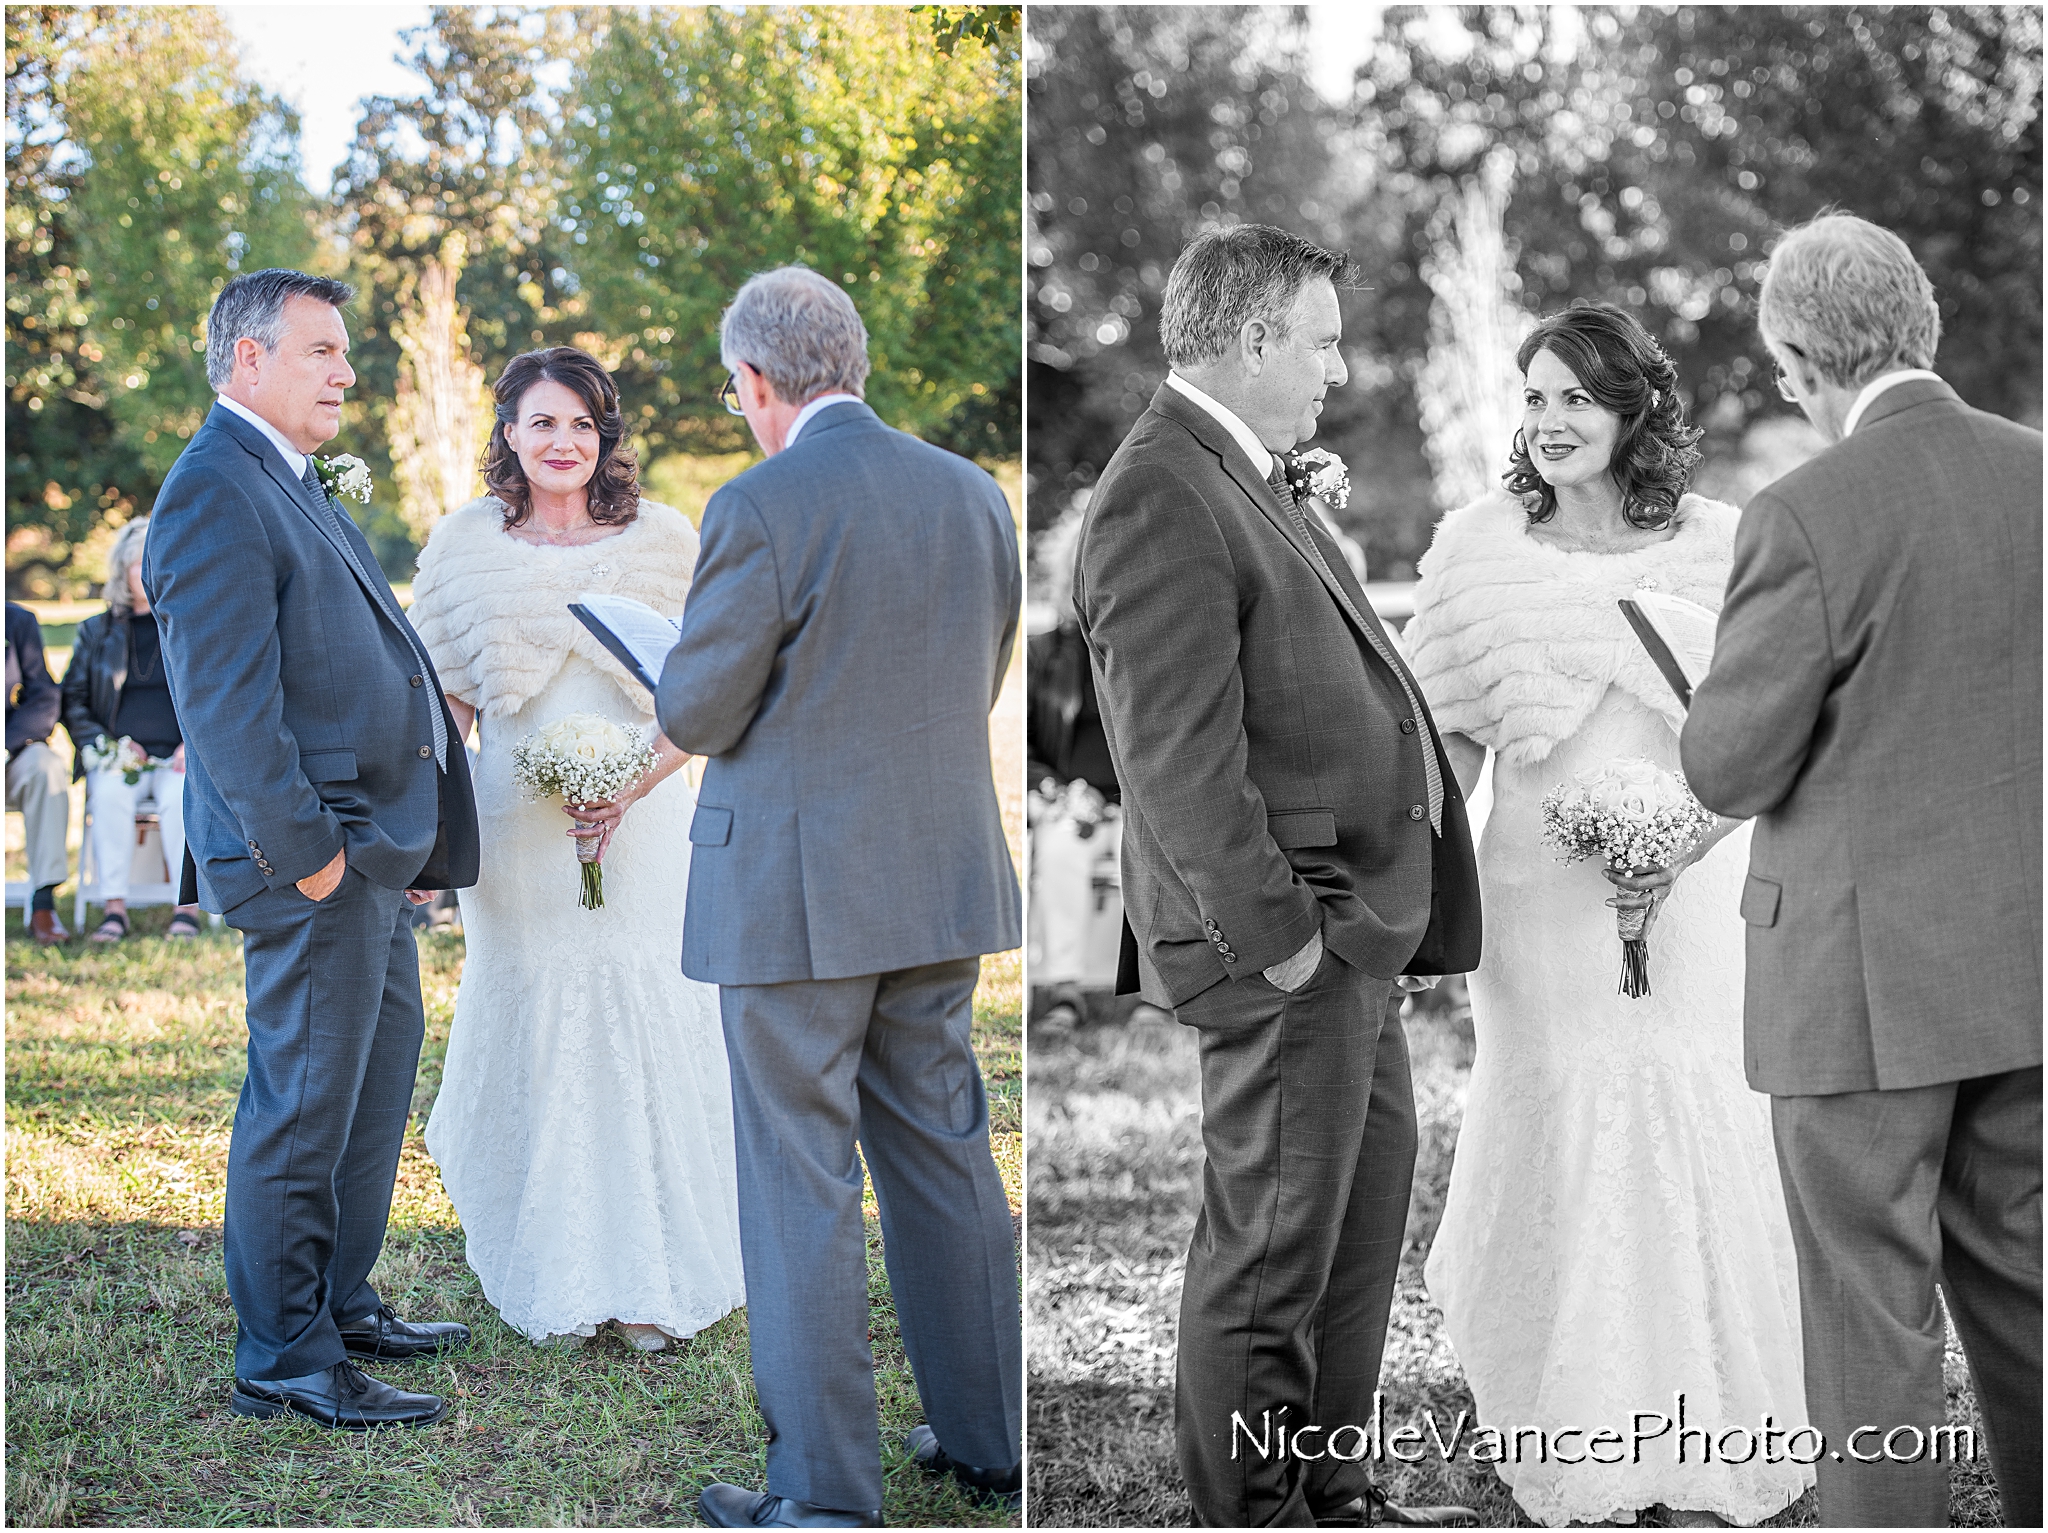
(343, 1397)
(728, 1506)
(385, 1335)
(983, 1486)
(1374, 1508)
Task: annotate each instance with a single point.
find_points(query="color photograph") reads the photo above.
(515, 705)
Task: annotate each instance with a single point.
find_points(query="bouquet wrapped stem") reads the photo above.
(582, 759)
(1636, 817)
(590, 858)
(1632, 922)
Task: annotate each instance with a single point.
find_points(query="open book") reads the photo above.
(633, 631)
(1678, 634)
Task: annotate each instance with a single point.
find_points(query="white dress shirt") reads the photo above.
(803, 416)
(1261, 457)
(1877, 386)
(294, 459)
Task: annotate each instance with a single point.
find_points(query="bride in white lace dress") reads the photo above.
(584, 1123)
(1615, 1231)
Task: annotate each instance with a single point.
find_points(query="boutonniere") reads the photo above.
(345, 474)
(1320, 473)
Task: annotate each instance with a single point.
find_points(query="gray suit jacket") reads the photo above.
(855, 604)
(1875, 701)
(1273, 778)
(302, 700)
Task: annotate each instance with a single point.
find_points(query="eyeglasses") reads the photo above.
(729, 395)
(1784, 379)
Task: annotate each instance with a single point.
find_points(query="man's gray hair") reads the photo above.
(121, 558)
(253, 305)
(798, 330)
(1851, 298)
(1227, 278)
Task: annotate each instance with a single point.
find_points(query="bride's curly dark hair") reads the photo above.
(614, 489)
(1625, 371)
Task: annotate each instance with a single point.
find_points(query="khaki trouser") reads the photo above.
(39, 785)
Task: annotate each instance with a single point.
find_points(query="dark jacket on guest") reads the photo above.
(93, 683)
(33, 697)
(1064, 726)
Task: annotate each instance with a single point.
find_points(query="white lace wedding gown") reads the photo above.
(584, 1123)
(1615, 1231)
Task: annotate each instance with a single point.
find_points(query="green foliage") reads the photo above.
(193, 178)
(702, 146)
(954, 24)
(143, 173)
(69, 475)
(613, 174)
(471, 154)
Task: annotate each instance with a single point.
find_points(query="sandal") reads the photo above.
(182, 925)
(112, 929)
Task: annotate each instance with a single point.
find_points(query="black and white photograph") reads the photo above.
(1534, 953)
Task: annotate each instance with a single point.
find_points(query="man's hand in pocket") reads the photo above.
(319, 885)
(1290, 974)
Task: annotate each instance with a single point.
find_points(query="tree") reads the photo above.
(1149, 124)
(462, 176)
(143, 172)
(193, 177)
(702, 146)
(1659, 150)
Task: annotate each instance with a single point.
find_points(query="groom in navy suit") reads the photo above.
(325, 785)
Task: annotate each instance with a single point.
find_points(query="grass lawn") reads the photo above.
(1114, 1126)
(122, 1070)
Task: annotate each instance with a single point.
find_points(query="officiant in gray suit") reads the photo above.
(854, 606)
(323, 783)
(1875, 703)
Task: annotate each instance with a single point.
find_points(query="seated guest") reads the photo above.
(36, 784)
(116, 695)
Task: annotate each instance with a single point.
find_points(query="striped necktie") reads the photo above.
(1425, 729)
(311, 480)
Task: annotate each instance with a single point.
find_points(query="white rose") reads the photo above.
(1635, 771)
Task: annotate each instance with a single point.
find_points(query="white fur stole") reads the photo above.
(494, 611)
(1515, 642)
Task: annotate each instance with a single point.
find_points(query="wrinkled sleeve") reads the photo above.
(734, 625)
(1753, 718)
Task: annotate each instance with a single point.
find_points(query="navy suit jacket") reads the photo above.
(303, 699)
(848, 628)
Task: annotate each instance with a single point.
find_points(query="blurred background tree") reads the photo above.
(1492, 163)
(143, 171)
(599, 177)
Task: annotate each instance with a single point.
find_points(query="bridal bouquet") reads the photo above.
(122, 755)
(581, 759)
(1634, 816)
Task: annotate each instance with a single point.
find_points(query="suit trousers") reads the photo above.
(335, 1026)
(1893, 1194)
(1308, 1123)
(885, 1060)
